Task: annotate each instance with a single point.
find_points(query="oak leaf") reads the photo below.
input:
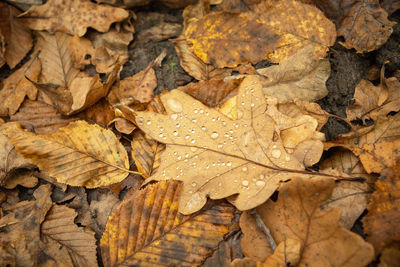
(246, 157)
(147, 228)
(297, 215)
(79, 154)
(365, 26)
(16, 87)
(77, 16)
(16, 38)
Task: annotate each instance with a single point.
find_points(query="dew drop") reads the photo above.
(193, 149)
(223, 123)
(175, 133)
(203, 128)
(243, 103)
(245, 183)
(235, 180)
(186, 155)
(226, 135)
(148, 122)
(194, 184)
(174, 105)
(194, 120)
(161, 129)
(239, 114)
(140, 120)
(196, 111)
(179, 157)
(175, 153)
(262, 176)
(161, 135)
(174, 116)
(208, 166)
(244, 169)
(178, 125)
(252, 105)
(229, 164)
(219, 184)
(276, 153)
(207, 114)
(214, 135)
(187, 137)
(193, 141)
(201, 111)
(219, 146)
(213, 120)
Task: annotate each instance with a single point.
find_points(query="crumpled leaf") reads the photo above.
(371, 102)
(297, 215)
(77, 16)
(16, 87)
(365, 26)
(16, 38)
(79, 154)
(100, 113)
(122, 125)
(300, 77)
(81, 50)
(40, 117)
(159, 32)
(102, 207)
(80, 243)
(200, 138)
(25, 178)
(146, 228)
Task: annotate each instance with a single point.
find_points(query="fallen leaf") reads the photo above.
(40, 117)
(20, 235)
(371, 102)
(16, 87)
(79, 242)
(177, 3)
(390, 6)
(103, 207)
(300, 77)
(77, 16)
(201, 138)
(16, 38)
(22, 177)
(81, 50)
(122, 125)
(365, 26)
(146, 228)
(194, 66)
(297, 215)
(159, 32)
(100, 113)
(286, 253)
(390, 256)
(79, 154)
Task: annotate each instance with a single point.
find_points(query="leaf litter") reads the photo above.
(237, 157)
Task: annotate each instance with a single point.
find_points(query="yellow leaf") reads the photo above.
(72, 16)
(79, 154)
(147, 229)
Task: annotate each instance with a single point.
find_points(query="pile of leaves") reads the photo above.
(223, 171)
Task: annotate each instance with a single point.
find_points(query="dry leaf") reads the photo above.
(365, 26)
(77, 16)
(100, 113)
(81, 50)
(79, 154)
(79, 242)
(200, 138)
(24, 178)
(16, 87)
(40, 117)
(372, 101)
(390, 256)
(16, 38)
(177, 3)
(286, 253)
(297, 215)
(159, 32)
(300, 77)
(102, 208)
(146, 228)
(122, 125)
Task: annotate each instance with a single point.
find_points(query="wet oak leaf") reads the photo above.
(16, 38)
(297, 215)
(16, 87)
(77, 16)
(147, 229)
(201, 138)
(365, 26)
(79, 154)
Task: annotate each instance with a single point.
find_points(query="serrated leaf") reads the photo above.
(219, 157)
(79, 154)
(80, 243)
(147, 229)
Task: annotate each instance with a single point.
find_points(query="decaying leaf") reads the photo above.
(81, 50)
(103, 207)
(147, 228)
(77, 16)
(79, 154)
(371, 102)
(16, 87)
(16, 38)
(246, 157)
(79, 242)
(300, 77)
(365, 26)
(297, 215)
(23, 177)
(40, 117)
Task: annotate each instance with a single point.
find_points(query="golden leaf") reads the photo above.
(79, 154)
(77, 16)
(80, 243)
(246, 157)
(16, 87)
(16, 38)
(365, 26)
(146, 228)
(297, 215)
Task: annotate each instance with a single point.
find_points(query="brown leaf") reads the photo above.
(365, 26)
(297, 215)
(201, 138)
(286, 253)
(79, 154)
(40, 117)
(300, 77)
(100, 113)
(122, 125)
(16, 87)
(390, 256)
(81, 50)
(16, 38)
(24, 178)
(371, 102)
(103, 207)
(59, 226)
(159, 32)
(146, 228)
(77, 16)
